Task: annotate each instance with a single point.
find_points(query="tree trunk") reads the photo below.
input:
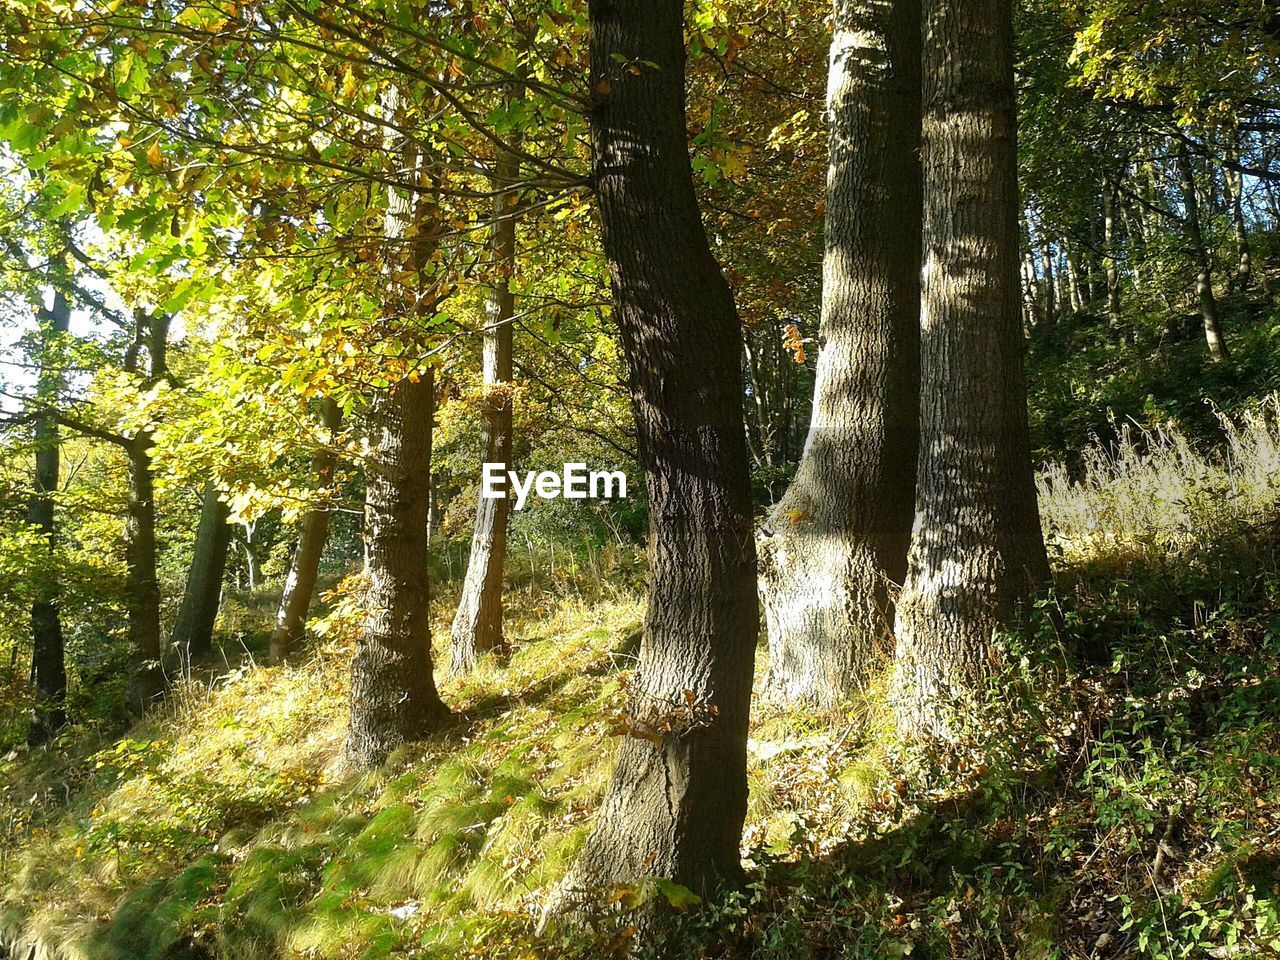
(976, 547)
(246, 541)
(678, 796)
(1050, 286)
(1200, 256)
(1111, 252)
(143, 585)
(1031, 316)
(836, 543)
(193, 631)
(477, 626)
(300, 585)
(1234, 182)
(1093, 283)
(48, 660)
(1072, 271)
(393, 690)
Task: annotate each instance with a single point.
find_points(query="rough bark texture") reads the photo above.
(836, 544)
(1200, 254)
(300, 585)
(976, 545)
(678, 796)
(477, 626)
(142, 583)
(48, 663)
(393, 691)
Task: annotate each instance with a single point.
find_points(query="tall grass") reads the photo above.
(1154, 496)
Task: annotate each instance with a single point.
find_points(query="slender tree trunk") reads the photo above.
(1111, 252)
(48, 659)
(1031, 316)
(1200, 255)
(300, 585)
(193, 630)
(1234, 182)
(143, 584)
(393, 692)
(678, 797)
(1136, 242)
(1050, 284)
(1073, 277)
(477, 625)
(248, 531)
(976, 547)
(1065, 298)
(836, 543)
(1097, 227)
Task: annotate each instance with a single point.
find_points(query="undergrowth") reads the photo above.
(1113, 795)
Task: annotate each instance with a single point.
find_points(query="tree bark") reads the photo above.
(678, 796)
(836, 543)
(1050, 285)
(48, 658)
(1200, 256)
(193, 630)
(976, 547)
(393, 692)
(1111, 252)
(1074, 289)
(142, 584)
(1234, 182)
(300, 585)
(477, 625)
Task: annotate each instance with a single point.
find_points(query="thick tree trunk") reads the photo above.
(143, 584)
(48, 661)
(836, 543)
(393, 690)
(1111, 252)
(300, 585)
(678, 797)
(193, 631)
(1200, 256)
(976, 547)
(477, 625)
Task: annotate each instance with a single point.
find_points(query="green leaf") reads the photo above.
(680, 897)
(71, 203)
(26, 136)
(181, 296)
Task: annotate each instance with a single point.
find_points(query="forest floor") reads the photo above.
(1118, 797)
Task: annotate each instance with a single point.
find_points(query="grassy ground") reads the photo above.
(1117, 797)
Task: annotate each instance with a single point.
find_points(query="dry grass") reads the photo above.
(1154, 497)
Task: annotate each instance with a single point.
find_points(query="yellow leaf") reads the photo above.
(154, 157)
